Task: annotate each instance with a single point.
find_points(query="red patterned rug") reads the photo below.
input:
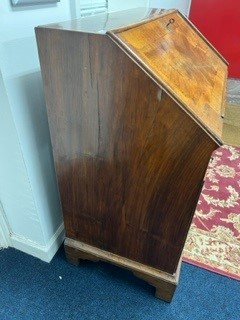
(213, 241)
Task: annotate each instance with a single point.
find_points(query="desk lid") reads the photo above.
(174, 53)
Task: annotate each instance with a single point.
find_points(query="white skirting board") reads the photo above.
(4, 230)
(4, 240)
(45, 253)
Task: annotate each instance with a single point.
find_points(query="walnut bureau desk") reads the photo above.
(135, 111)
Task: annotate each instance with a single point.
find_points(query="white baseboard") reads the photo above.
(45, 253)
(4, 230)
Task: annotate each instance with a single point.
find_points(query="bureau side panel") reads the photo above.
(129, 161)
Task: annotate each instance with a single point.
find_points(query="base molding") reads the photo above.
(42, 252)
(164, 283)
(4, 230)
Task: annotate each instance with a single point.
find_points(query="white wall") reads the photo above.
(182, 5)
(28, 191)
(115, 5)
(15, 191)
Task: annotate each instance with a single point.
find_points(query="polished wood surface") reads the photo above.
(129, 160)
(108, 20)
(181, 60)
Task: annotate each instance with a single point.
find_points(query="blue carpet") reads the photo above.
(32, 289)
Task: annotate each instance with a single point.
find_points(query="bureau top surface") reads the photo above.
(103, 22)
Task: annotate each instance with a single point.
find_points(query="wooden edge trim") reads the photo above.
(124, 262)
(224, 97)
(114, 37)
(134, 25)
(203, 37)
